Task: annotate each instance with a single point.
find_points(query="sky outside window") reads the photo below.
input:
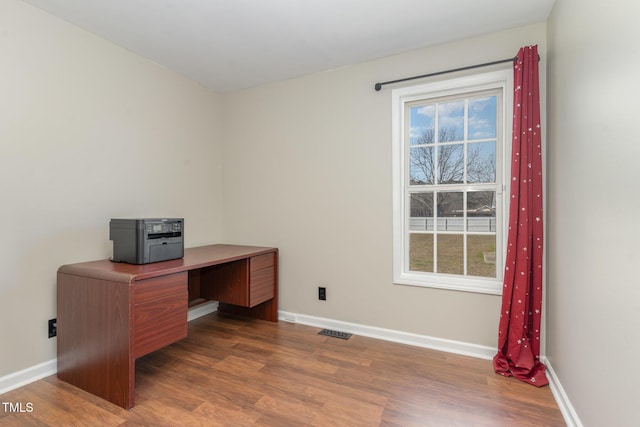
(478, 115)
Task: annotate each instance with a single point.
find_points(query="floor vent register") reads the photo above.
(335, 334)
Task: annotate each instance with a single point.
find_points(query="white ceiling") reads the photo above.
(235, 44)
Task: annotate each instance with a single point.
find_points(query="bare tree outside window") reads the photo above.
(450, 165)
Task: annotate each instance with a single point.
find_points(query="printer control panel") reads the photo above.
(164, 227)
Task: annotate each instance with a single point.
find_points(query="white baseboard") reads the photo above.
(441, 344)
(566, 408)
(35, 373)
(26, 376)
(202, 310)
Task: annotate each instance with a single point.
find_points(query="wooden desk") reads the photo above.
(110, 313)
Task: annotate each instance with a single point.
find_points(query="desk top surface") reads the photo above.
(194, 258)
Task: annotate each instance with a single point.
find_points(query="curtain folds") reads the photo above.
(519, 331)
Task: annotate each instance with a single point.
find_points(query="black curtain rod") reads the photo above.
(378, 86)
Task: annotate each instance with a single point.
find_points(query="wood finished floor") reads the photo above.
(238, 372)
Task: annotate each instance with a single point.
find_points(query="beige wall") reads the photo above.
(88, 131)
(593, 291)
(308, 169)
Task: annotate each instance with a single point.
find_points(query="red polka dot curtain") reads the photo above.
(519, 331)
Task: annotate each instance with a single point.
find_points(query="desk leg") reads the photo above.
(95, 348)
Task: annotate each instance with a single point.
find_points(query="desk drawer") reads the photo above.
(160, 312)
(262, 278)
(159, 287)
(262, 285)
(263, 261)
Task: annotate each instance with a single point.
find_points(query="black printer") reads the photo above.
(146, 240)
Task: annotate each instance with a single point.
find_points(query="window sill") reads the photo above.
(491, 287)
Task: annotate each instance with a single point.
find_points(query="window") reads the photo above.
(449, 166)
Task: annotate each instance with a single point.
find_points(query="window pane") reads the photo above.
(481, 162)
(421, 165)
(451, 121)
(421, 252)
(422, 124)
(450, 164)
(481, 255)
(481, 211)
(421, 208)
(450, 254)
(449, 205)
(482, 118)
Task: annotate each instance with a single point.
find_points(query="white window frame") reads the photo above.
(502, 79)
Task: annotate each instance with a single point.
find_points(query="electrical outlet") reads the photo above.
(322, 293)
(53, 328)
